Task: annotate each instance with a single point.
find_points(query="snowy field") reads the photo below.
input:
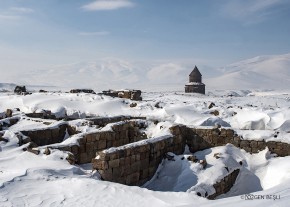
(30, 180)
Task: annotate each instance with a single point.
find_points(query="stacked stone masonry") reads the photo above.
(91, 143)
(200, 139)
(225, 184)
(103, 121)
(47, 136)
(136, 163)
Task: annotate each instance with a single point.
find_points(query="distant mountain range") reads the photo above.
(263, 72)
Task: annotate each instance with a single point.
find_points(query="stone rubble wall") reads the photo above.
(136, 163)
(225, 184)
(47, 136)
(200, 139)
(90, 143)
(103, 121)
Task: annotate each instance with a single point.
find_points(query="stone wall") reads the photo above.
(136, 163)
(90, 143)
(103, 121)
(128, 94)
(47, 136)
(142, 159)
(200, 139)
(225, 184)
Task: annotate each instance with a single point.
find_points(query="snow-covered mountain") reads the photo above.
(7, 86)
(262, 72)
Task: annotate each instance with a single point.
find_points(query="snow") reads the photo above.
(33, 180)
(194, 84)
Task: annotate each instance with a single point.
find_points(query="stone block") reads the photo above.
(95, 146)
(103, 156)
(230, 133)
(103, 136)
(247, 149)
(253, 144)
(122, 161)
(96, 137)
(127, 161)
(100, 165)
(142, 155)
(133, 178)
(83, 158)
(82, 148)
(114, 155)
(271, 145)
(89, 138)
(144, 173)
(107, 175)
(89, 147)
(114, 163)
(261, 145)
(244, 144)
(127, 152)
(133, 158)
(136, 166)
(75, 149)
(144, 163)
(55, 132)
(254, 150)
(102, 144)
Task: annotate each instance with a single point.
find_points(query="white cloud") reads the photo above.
(108, 5)
(15, 13)
(101, 33)
(251, 11)
(9, 17)
(22, 9)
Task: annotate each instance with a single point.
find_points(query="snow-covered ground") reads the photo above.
(30, 180)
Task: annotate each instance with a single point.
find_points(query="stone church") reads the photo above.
(195, 84)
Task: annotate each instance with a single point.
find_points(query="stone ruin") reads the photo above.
(125, 155)
(82, 91)
(20, 90)
(128, 94)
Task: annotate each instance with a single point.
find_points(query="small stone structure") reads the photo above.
(20, 90)
(195, 84)
(82, 91)
(129, 94)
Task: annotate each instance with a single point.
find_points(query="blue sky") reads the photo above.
(35, 33)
